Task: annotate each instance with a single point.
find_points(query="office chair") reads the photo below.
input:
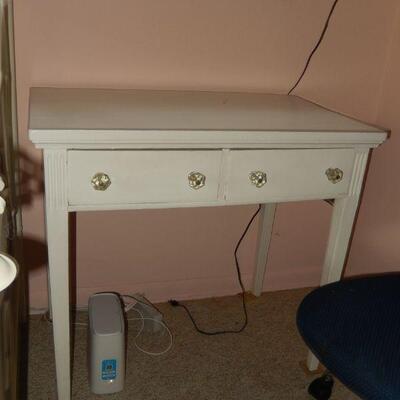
(353, 328)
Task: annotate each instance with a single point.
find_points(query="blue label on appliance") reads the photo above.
(108, 370)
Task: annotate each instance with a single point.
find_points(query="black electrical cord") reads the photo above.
(315, 47)
(176, 303)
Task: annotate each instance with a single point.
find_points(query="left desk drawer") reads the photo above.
(142, 176)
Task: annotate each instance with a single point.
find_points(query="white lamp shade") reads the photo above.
(8, 271)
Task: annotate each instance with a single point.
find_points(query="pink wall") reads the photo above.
(252, 46)
(376, 245)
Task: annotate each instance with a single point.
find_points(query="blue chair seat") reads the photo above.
(353, 328)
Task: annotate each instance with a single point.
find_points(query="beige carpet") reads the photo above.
(260, 363)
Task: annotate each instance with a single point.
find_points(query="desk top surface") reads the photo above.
(75, 115)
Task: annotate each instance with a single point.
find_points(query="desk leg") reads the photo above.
(267, 215)
(344, 212)
(57, 241)
(343, 218)
(339, 236)
(50, 313)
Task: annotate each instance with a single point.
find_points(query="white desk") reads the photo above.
(126, 149)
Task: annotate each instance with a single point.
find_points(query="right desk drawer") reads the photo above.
(285, 175)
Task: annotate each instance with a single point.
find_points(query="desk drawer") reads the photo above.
(290, 174)
(141, 176)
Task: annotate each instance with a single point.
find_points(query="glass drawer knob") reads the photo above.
(196, 180)
(258, 178)
(334, 175)
(101, 181)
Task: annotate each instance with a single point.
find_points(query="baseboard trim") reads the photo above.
(198, 288)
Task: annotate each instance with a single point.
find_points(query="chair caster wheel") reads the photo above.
(321, 388)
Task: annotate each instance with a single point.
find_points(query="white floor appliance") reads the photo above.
(106, 343)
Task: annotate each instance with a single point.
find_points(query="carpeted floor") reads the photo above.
(260, 363)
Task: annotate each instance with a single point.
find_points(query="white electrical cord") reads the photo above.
(142, 318)
(129, 305)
